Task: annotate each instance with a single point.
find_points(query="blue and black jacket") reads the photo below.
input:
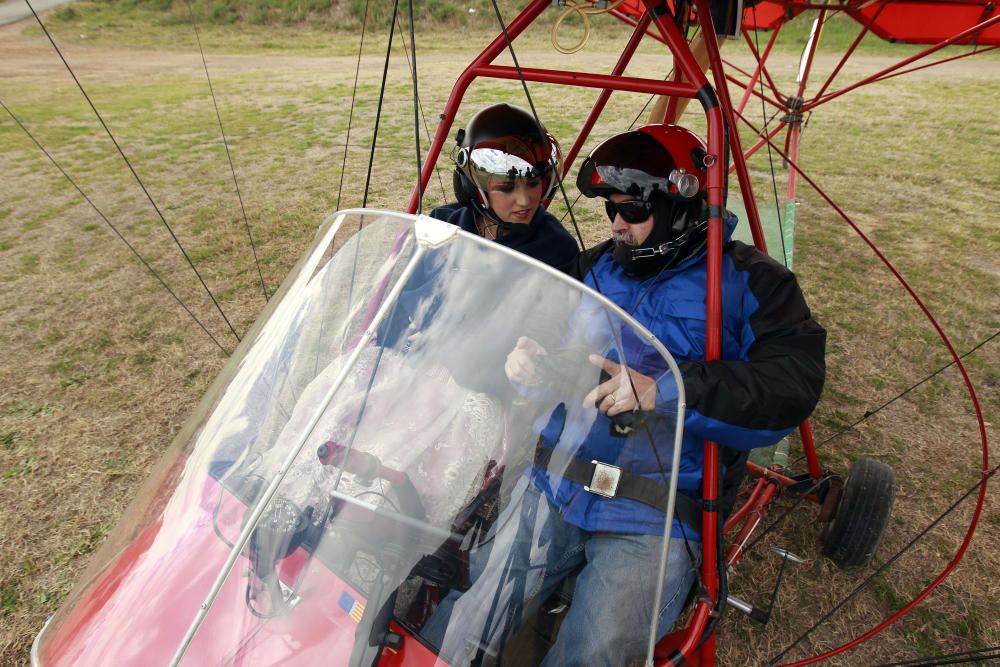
(767, 381)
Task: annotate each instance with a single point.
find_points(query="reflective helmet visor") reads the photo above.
(507, 158)
(633, 164)
(638, 164)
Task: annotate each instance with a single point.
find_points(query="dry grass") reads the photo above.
(101, 366)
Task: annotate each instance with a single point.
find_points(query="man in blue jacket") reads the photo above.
(767, 381)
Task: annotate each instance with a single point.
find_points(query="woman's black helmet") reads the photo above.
(503, 141)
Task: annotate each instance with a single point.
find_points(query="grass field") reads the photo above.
(101, 366)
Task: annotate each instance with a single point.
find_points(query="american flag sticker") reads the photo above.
(354, 608)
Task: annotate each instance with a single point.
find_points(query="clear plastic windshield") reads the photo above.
(405, 460)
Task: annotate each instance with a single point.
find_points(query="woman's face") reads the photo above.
(515, 200)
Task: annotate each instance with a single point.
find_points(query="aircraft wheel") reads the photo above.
(863, 514)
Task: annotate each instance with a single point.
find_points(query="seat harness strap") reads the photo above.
(611, 481)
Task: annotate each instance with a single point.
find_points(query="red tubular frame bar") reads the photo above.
(763, 493)
(850, 50)
(630, 47)
(521, 22)
(777, 104)
(938, 62)
(878, 76)
(696, 86)
(762, 142)
(625, 18)
(761, 60)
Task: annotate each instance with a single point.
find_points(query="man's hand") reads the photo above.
(614, 396)
(520, 364)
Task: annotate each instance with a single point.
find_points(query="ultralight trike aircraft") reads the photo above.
(328, 493)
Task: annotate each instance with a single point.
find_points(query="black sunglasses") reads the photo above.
(632, 211)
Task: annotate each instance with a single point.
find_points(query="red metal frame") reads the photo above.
(883, 74)
(763, 493)
(761, 59)
(689, 81)
(695, 81)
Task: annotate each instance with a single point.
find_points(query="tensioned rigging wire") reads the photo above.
(979, 416)
(416, 111)
(423, 116)
(371, 158)
(670, 74)
(381, 99)
(881, 568)
(343, 165)
(991, 653)
(770, 156)
(416, 130)
(558, 177)
(635, 393)
(534, 113)
(783, 247)
(113, 228)
(872, 413)
(649, 101)
(784, 515)
(129, 164)
(852, 426)
(631, 126)
(350, 114)
(958, 555)
(917, 384)
(559, 180)
(225, 143)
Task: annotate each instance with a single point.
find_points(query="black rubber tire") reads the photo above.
(863, 515)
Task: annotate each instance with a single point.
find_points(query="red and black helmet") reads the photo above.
(662, 158)
(664, 166)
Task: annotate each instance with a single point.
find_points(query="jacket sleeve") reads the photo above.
(758, 399)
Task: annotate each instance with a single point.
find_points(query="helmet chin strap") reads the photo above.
(662, 249)
(669, 246)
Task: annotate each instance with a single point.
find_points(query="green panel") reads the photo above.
(773, 455)
(769, 218)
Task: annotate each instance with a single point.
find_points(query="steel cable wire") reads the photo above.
(884, 566)
(132, 169)
(229, 157)
(113, 228)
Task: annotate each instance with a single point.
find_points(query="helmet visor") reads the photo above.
(633, 163)
(486, 165)
(496, 162)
